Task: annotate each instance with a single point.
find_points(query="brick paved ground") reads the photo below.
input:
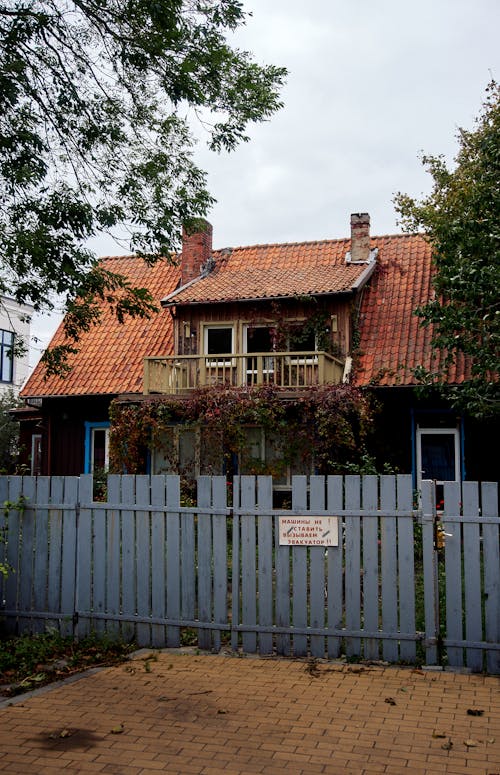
(223, 715)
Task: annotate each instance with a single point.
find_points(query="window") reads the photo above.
(36, 454)
(258, 339)
(265, 454)
(302, 340)
(177, 452)
(218, 340)
(6, 356)
(96, 447)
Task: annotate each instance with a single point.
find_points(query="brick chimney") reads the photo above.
(360, 238)
(196, 250)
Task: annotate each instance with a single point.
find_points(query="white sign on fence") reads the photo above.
(309, 531)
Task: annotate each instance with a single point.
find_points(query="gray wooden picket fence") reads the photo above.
(143, 567)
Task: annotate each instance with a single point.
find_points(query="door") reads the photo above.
(258, 339)
(438, 456)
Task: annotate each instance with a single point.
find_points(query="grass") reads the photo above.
(30, 661)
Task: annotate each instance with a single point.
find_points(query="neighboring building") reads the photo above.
(14, 329)
(293, 318)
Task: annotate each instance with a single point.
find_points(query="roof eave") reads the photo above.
(344, 292)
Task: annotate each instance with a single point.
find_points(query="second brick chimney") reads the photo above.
(196, 250)
(360, 238)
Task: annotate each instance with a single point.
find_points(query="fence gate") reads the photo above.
(403, 583)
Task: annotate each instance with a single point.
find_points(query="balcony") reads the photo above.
(292, 371)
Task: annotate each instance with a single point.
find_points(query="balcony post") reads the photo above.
(321, 368)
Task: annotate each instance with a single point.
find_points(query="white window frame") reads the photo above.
(90, 431)
(210, 327)
(7, 358)
(424, 431)
(268, 361)
(173, 466)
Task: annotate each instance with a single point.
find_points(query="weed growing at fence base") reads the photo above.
(28, 662)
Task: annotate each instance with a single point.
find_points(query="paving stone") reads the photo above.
(239, 717)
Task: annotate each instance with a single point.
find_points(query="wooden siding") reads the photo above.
(189, 320)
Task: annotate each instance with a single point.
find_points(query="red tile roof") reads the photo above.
(110, 356)
(392, 341)
(271, 271)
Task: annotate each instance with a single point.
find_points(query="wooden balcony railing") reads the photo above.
(177, 374)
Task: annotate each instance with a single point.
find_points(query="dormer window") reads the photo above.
(218, 340)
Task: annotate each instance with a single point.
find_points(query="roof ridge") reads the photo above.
(314, 242)
(263, 245)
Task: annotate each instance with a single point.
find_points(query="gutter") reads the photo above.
(166, 302)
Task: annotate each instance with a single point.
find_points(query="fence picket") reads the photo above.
(68, 555)
(248, 563)
(27, 550)
(335, 603)
(265, 561)
(173, 590)
(406, 566)
(158, 571)
(143, 561)
(128, 566)
(83, 599)
(453, 569)
(99, 566)
(370, 576)
(491, 553)
(389, 567)
(235, 565)
(472, 576)
(352, 565)
(42, 544)
(299, 571)
(112, 564)
(219, 531)
(282, 563)
(188, 568)
(205, 590)
(428, 498)
(317, 587)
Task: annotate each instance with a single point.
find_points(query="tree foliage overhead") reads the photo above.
(461, 218)
(95, 102)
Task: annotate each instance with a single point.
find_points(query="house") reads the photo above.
(260, 359)
(14, 329)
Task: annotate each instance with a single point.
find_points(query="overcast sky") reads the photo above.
(372, 84)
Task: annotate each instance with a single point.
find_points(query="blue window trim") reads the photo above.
(89, 427)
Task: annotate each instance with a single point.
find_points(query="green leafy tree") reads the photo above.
(9, 433)
(96, 99)
(461, 218)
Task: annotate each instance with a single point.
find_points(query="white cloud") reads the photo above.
(372, 83)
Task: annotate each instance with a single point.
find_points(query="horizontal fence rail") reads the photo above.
(404, 583)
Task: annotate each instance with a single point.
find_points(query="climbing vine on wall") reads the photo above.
(332, 423)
